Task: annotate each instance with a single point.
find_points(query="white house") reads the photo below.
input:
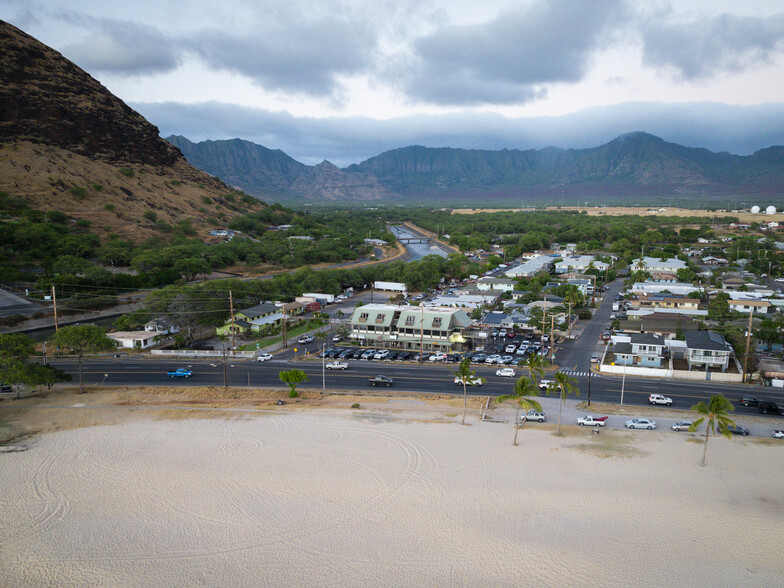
(579, 263)
(653, 264)
(136, 339)
(500, 284)
(540, 263)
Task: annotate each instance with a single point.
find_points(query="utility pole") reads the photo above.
(589, 386)
(569, 318)
(544, 313)
(54, 302)
(285, 342)
(748, 344)
(233, 336)
(552, 341)
(225, 375)
(421, 333)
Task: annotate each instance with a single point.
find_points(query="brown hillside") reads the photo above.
(68, 144)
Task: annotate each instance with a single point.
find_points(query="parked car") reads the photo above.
(403, 356)
(533, 415)
(337, 338)
(749, 401)
(510, 334)
(381, 354)
(505, 373)
(589, 421)
(606, 336)
(345, 354)
(337, 365)
(640, 424)
(502, 333)
(738, 430)
(505, 359)
(478, 357)
(511, 348)
(368, 353)
(437, 357)
(121, 354)
(494, 358)
(470, 381)
(264, 357)
(777, 434)
(306, 339)
(391, 356)
(522, 350)
(594, 359)
(681, 425)
(659, 399)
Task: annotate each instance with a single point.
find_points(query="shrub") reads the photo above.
(56, 216)
(355, 405)
(109, 207)
(203, 210)
(175, 182)
(78, 192)
(83, 223)
(163, 226)
(97, 187)
(127, 172)
(206, 200)
(150, 216)
(229, 197)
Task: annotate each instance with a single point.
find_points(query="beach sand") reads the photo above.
(396, 493)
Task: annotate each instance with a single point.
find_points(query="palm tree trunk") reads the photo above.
(517, 418)
(705, 451)
(465, 401)
(560, 408)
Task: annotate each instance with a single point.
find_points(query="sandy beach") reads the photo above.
(396, 493)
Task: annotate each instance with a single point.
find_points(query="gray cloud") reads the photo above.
(275, 58)
(706, 47)
(718, 127)
(507, 60)
(123, 47)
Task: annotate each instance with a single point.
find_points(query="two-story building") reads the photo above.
(252, 319)
(642, 349)
(707, 350)
(426, 328)
(666, 302)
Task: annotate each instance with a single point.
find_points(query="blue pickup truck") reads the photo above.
(180, 373)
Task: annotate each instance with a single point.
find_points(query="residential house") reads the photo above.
(537, 265)
(579, 263)
(642, 349)
(161, 325)
(136, 339)
(649, 287)
(500, 284)
(665, 301)
(653, 264)
(707, 350)
(410, 327)
(252, 319)
(745, 306)
(661, 323)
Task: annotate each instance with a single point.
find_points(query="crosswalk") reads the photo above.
(577, 374)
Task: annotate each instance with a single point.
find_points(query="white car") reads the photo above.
(264, 357)
(543, 384)
(640, 424)
(533, 415)
(337, 365)
(470, 381)
(659, 399)
(505, 373)
(306, 339)
(495, 358)
(511, 348)
(382, 354)
(437, 357)
(681, 426)
(778, 434)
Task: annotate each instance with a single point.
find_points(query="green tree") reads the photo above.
(292, 378)
(716, 416)
(81, 338)
(564, 385)
(467, 377)
(535, 364)
(524, 389)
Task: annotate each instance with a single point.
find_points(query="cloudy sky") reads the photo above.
(344, 80)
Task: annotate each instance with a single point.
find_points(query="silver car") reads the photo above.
(681, 426)
(534, 415)
(640, 424)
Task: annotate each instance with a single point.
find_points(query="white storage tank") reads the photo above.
(770, 210)
(755, 209)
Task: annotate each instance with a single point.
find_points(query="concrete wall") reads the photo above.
(670, 373)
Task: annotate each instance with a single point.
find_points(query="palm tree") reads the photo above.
(535, 365)
(565, 385)
(523, 390)
(467, 377)
(716, 414)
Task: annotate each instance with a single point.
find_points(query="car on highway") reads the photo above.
(640, 424)
(777, 434)
(533, 415)
(470, 381)
(121, 354)
(505, 373)
(179, 373)
(738, 430)
(749, 401)
(606, 336)
(659, 399)
(681, 425)
(766, 407)
(264, 357)
(337, 365)
(594, 359)
(306, 339)
(544, 384)
(381, 381)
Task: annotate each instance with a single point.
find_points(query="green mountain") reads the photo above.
(634, 167)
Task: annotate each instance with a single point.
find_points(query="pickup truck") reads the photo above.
(179, 373)
(337, 365)
(380, 380)
(589, 421)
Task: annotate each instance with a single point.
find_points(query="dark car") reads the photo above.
(738, 430)
(403, 355)
(766, 407)
(392, 355)
(121, 354)
(345, 353)
(453, 357)
(749, 401)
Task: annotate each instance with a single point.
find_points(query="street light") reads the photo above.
(323, 366)
(623, 381)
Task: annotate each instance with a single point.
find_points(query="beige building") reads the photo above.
(426, 328)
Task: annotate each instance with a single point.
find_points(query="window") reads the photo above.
(380, 318)
(363, 317)
(436, 322)
(410, 320)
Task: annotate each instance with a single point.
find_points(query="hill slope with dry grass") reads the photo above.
(68, 144)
